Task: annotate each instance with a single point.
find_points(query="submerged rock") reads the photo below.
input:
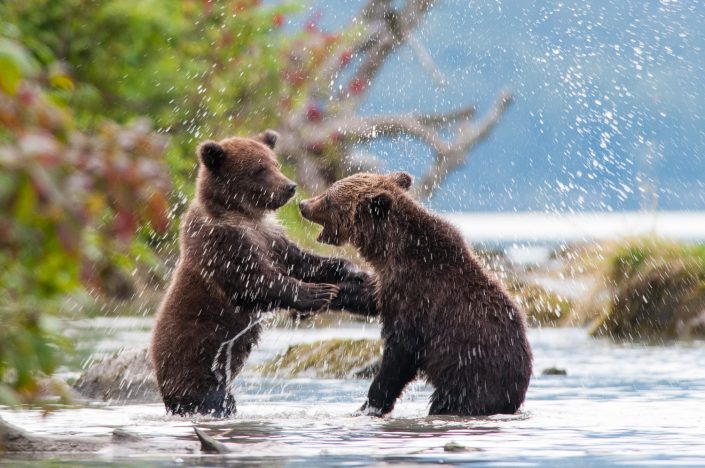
(370, 370)
(554, 371)
(455, 447)
(209, 444)
(121, 442)
(121, 435)
(16, 440)
(335, 358)
(125, 377)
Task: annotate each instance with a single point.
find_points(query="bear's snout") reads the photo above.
(303, 208)
(290, 189)
(285, 193)
(311, 210)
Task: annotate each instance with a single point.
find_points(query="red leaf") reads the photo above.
(316, 147)
(313, 113)
(125, 225)
(157, 207)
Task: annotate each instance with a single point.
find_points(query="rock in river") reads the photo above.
(125, 377)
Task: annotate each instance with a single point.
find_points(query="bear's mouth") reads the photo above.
(304, 213)
(274, 202)
(325, 237)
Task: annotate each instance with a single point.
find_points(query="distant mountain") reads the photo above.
(608, 104)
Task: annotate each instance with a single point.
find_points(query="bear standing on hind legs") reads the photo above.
(236, 263)
(441, 312)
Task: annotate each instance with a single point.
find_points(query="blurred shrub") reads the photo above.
(84, 194)
(543, 308)
(646, 289)
(199, 69)
(69, 200)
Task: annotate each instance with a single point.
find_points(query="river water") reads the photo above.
(618, 405)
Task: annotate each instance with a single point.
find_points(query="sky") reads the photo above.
(608, 102)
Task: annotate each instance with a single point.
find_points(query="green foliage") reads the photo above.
(199, 70)
(29, 344)
(71, 199)
(82, 180)
(541, 306)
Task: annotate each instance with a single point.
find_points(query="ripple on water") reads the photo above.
(619, 404)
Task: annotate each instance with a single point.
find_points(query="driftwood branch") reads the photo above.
(426, 61)
(457, 153)
(377, 32)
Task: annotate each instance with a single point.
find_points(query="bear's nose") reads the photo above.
(291, 189)
(302, 206)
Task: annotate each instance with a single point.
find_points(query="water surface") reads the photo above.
(618, 405)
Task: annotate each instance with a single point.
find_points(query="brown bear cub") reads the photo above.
(442, 313)
(235, 263)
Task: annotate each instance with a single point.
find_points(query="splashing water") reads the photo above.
(619, 404)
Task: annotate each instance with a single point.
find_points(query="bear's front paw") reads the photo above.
(357, 276)
(297, 315)
(367, 410)
(317, 296)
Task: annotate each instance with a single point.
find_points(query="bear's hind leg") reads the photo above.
(216, 402)
(469, 401)
(398, 368)
(453, 402)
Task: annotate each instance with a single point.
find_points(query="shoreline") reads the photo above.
(563, 228)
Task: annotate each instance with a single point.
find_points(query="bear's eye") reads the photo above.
(328, 201)
(260, 171)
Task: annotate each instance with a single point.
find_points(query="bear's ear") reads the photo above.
(378, 204)
(402, 179)
(269, 138)
(211, 154)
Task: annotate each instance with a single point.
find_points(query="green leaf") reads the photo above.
(8, 396)
(25, 202)
(10, 75)
(15, 63)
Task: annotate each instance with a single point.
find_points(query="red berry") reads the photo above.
(278, 20)
(295, 77)
(316, 147)
(312, 23)
(356, 86)
(345, 57)
(26, 95)
(313, 113)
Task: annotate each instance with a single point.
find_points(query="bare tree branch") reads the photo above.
(426, 61)
(318, 140)
(422, 126)
(392, 29)
(457, 154)
(464, 113)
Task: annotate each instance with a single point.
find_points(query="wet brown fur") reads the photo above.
(441, 312)
(235, 263)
